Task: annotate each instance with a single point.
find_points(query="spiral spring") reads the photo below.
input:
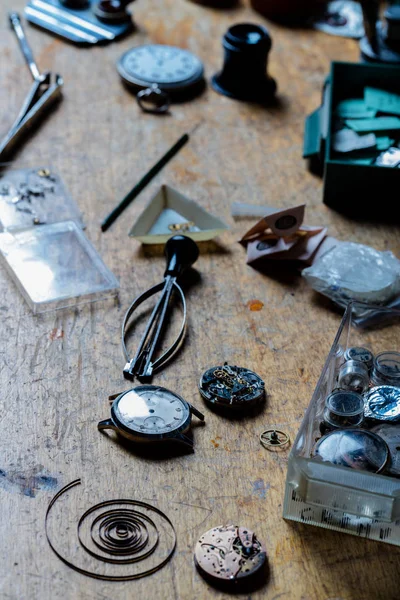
(117, 532)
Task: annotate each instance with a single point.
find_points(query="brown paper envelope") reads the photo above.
(295, 249)
(282, 223)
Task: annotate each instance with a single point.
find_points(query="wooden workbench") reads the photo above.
(58, 369)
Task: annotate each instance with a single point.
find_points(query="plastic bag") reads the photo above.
(350, 271)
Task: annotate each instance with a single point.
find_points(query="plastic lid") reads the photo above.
(355, 448)
(345, 403)
(388, 364)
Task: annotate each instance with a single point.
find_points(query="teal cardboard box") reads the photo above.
(358, 190)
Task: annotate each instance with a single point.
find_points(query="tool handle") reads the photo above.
(370, 9)
(32, 117)
(144, 182)
(15, 22)
(181, 253)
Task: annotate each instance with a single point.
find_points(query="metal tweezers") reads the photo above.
(42, 95)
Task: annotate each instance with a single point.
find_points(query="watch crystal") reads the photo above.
(151, 410)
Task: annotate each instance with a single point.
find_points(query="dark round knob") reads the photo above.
(181, 253)
(75, 4)
(112, 11)
(217, 3)
(112, 6)
(247, 37)
(392, 16)
(244, 73)
(287, 10)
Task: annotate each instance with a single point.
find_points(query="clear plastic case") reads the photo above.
(55, 266)
(337, 497)
(34, 196)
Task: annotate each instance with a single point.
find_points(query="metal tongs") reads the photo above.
(181, 253)
(42, 95)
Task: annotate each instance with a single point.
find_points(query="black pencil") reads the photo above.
(135, 191)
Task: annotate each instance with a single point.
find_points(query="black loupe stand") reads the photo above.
(244, 74)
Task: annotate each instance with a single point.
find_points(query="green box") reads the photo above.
(361, 191)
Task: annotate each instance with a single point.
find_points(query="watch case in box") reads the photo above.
(336, 497)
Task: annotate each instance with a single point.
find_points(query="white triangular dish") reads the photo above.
(169, 208)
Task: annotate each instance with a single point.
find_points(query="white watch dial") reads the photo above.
(151, 410)
(160, 64)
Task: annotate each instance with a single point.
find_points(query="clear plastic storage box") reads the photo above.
(337, 497)
(55, 266)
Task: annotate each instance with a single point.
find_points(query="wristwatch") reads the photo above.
(151, 414)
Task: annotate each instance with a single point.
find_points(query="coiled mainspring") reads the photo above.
(118, 540)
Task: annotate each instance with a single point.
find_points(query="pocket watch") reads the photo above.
(150, 413)
(161, 73)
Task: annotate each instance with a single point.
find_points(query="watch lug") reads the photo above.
(113, 396)
(184, 439)
(106, 424)
(196, 412)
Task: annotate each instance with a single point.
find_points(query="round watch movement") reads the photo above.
(229, 554)
(150, 413)
(231, 387)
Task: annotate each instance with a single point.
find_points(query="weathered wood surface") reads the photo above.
(57, 370)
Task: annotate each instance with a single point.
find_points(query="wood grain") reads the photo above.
(57, 370)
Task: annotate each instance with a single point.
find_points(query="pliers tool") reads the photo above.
(42, 95)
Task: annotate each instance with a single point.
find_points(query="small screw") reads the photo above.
(44, 173)
(37, 221)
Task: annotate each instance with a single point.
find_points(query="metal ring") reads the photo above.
(155, 95)
(274, 438)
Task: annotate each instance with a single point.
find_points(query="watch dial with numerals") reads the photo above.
(151, 410)
(167, 66)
